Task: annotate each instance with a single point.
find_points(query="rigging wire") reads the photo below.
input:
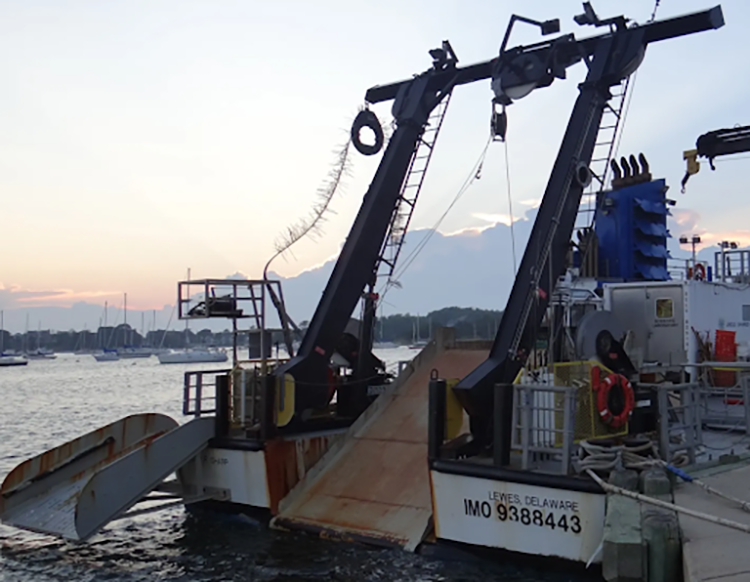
(629, 100)
(653, 14)
(475, 174)
(510, 207)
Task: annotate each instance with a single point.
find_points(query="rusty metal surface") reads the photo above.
(377, 486)
(287, 462)
(115, 488)
(41, 493)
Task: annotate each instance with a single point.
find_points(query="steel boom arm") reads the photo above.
(360, 254)
(613, 57)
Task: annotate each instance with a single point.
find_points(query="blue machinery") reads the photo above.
(631, 229)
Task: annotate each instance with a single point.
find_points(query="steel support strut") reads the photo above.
(613, 57)
(359, 255)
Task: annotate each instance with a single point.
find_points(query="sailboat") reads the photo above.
(417, 342)
(107, 354)
(128, 350)
(80, 348)
(8, 360)
(192, 355)
(39, 353)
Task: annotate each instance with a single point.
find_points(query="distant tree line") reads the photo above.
(120, 336)
(405, 329)
(469, 323)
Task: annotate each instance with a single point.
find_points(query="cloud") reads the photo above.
(468, 231)
(318, 266)
(14, 296)
(741, 237)
(687, 220)
(496, 218)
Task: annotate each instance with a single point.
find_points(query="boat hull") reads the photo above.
(253, 475)
(192, 357)
(6, 361)
(134, 354)
(518, 517)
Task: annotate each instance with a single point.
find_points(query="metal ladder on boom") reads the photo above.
(605, 145)
(410, 190)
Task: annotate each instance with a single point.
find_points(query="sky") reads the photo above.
(141, 138)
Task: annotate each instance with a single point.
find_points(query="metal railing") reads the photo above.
(199, 392)
(732, 265)
(544, 426)
(725, 406)
(246, 397)
(680, 423)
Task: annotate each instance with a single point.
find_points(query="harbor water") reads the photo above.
(49, 402)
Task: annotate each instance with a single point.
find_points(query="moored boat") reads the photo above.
(193, 356)
(7, 360)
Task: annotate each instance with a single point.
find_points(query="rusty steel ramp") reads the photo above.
(374, 486)
(73, 490)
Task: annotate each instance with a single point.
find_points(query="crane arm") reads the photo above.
(357, 263)
(610, 58)
(721, 142)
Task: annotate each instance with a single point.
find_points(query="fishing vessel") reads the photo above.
(485, 445)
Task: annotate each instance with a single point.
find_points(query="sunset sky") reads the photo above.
(142, 138)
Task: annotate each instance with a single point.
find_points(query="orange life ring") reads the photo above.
(602, 400)
(700, 272)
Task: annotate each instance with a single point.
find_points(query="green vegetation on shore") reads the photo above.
(403, 329)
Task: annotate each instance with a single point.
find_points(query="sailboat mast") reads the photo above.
(125, 320)
(187, 321)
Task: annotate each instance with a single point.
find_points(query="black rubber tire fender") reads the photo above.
(366, 118)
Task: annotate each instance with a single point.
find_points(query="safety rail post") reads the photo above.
(692, 418)
(243, 397)
(745, 386)
(436, 418)
(267, 404)
(501, 439)
(186, 394)
(663, 399)
(198, 393)
(222, 405)
(525, 415)
(569, 415)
